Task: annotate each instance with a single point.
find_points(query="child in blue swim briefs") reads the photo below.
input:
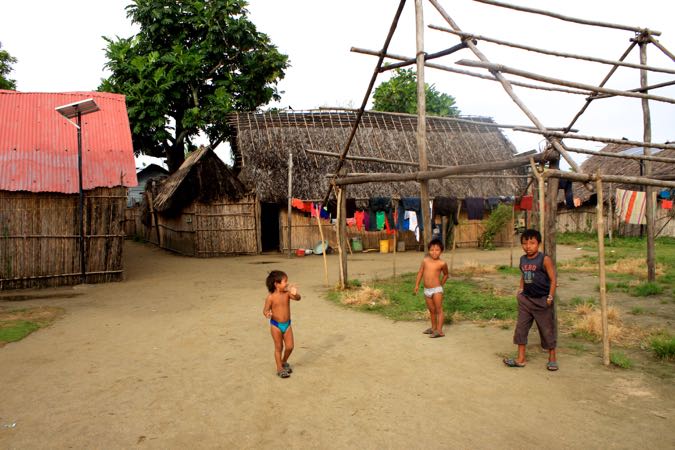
(278, 309)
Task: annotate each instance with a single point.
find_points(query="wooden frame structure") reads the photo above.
(555, 149)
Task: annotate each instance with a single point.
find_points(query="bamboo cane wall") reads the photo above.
(204, 230)
(584, 220)
(39, 240)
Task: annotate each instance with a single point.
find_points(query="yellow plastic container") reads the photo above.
(384, 246)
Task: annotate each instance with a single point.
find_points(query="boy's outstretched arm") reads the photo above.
(267, 309)
(550, 270)
(419, 277)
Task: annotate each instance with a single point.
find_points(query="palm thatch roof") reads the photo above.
(619, 166)
(202, 177)
(264, 141)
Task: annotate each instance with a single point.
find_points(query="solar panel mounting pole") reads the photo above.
(75, 111)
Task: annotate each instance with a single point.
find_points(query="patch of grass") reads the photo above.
(16, 330)
(578, 347)
(663, 347)
(508, 270)
(578, 300)
(619, 359)
(646, 289)
(621, 286)
(637, 310)
(16, 324)
(462, 300)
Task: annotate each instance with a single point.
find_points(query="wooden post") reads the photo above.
(610, 215)
(422, 120)
(551, 214)
(643, 40)
(153, 212)
(341, 210)
(395, 251)
(290, 199)
(454, 236)
(541, 204)
(323, 247)
(513, 230)
(601, 266)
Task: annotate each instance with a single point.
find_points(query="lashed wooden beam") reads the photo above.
(585, 137)
(546, 79)
(543, 51)
(595, 23)
(584, 177)
(617, 155)
(437, 174)
(472, 74)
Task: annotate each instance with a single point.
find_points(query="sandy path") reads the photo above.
(180, 356)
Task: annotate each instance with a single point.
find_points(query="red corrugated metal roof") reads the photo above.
(38, 146)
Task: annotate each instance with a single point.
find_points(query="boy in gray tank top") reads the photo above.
(535, 300)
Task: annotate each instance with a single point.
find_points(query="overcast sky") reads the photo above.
(59, 46)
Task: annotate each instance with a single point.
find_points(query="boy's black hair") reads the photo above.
(436, 241)
(275, 276)
(529, 234)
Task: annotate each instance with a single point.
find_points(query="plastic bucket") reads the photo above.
(300, 252)
(357, 245)
(384, 246)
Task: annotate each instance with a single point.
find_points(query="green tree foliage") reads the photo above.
(6, 61)
(192, 62)
(399, 94)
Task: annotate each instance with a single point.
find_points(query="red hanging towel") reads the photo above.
(358, 216)
(526, 202)
(387, 228)
(298, 204)
(667, 204)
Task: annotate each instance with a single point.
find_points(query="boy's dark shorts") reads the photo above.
(535, 309)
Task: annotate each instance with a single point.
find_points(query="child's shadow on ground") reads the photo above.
(318, 349)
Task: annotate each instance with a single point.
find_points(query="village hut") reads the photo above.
(264, 141)
(203, 209)
(39, 189)
(583, 218)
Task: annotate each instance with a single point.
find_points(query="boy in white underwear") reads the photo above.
(430, 270)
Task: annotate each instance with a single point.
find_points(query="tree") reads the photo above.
(6, 61)
(399, 94)
(192, 62)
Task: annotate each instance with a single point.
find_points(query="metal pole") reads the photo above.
(80, 208)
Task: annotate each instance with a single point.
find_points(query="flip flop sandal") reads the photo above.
(287, 367)
(283, 374)
(436, 334)
(512, 362)
(428, 331)
(552, 366)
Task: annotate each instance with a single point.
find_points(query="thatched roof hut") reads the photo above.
(202, 177)
(620, 166)
(264, 140)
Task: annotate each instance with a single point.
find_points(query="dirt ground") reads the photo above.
(180, 356)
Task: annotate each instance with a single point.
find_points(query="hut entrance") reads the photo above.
(269, 226)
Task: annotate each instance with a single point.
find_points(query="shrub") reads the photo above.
(647, 288)
(619, 359)
(498, 218)
(664, 347)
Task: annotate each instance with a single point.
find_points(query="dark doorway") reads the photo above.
(269, 227)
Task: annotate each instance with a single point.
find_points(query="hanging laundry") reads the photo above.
(566, 185)
(411, 217)
(577, 202)
(388, 229)
(445, 206)
(526, 203)
(493, 203)
(475, 207)
(379, 219)
(665, 193)
(630, 206)
(409, 204)
(379, 204)
(351, 222)
(298, 204)
(358, 217)
(667, 204)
